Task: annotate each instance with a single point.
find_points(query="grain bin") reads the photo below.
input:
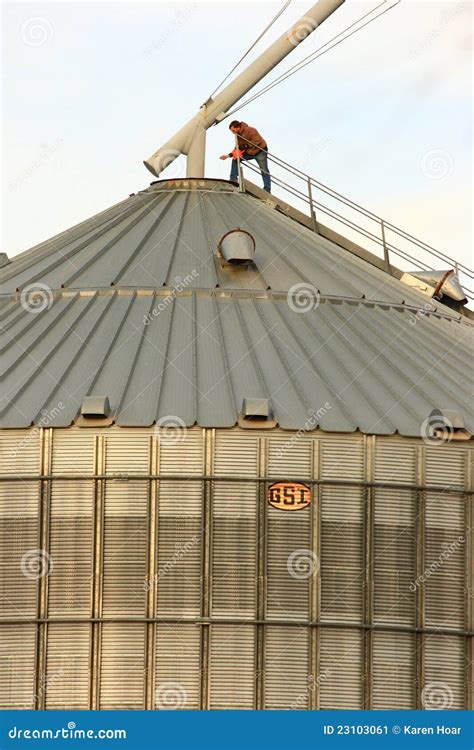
(154, 395)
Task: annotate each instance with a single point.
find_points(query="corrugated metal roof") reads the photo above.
(220, 334)
(200, 354)
(165, 232)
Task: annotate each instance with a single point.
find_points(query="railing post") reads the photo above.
(311, 207)
(385, 248)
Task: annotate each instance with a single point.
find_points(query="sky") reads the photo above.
(91, 89)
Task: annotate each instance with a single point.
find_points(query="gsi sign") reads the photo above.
(289, 495)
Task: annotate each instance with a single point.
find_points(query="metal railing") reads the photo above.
(358, 224)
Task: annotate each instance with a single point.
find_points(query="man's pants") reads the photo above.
(262, 161)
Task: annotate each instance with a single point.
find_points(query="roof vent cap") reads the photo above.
(444, 425)
(256, 408)
(237, 247)
(4, 259)
(256, 413)
(95, 407)
(437, 284)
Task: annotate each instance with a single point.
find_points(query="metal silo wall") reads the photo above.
(182, 590)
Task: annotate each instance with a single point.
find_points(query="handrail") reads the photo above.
(305, 194)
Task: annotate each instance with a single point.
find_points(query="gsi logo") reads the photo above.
(289, 495)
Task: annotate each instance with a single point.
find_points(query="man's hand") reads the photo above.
(224, 156)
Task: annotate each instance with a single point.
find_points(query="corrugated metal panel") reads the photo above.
(122, 683)
(444, 683)
(395, 461)
(341, 668)
(394, 556)
(19, 548)
(179, 525)
(17, 666)
(393, 671)
(342, 531)
(292, 564)
(234, 526)
(394, 551)
(288, 679)
(19, 501)
(126, 525)
(71, 520)
(444, 564)
(73, 452)
(205, 351)
(178, 673)
(67, 666)
(70, 547)
(232, 646)
(446, 464)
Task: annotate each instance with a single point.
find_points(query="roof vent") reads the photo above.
(257, 412)
(444, 425)
(437, 283)
(237, 247)
(4, 259)
(95, 406)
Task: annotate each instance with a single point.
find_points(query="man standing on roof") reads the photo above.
(252, 146)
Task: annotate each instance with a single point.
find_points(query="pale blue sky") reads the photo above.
(384, 118)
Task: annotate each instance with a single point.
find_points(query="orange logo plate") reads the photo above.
(289, 495)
